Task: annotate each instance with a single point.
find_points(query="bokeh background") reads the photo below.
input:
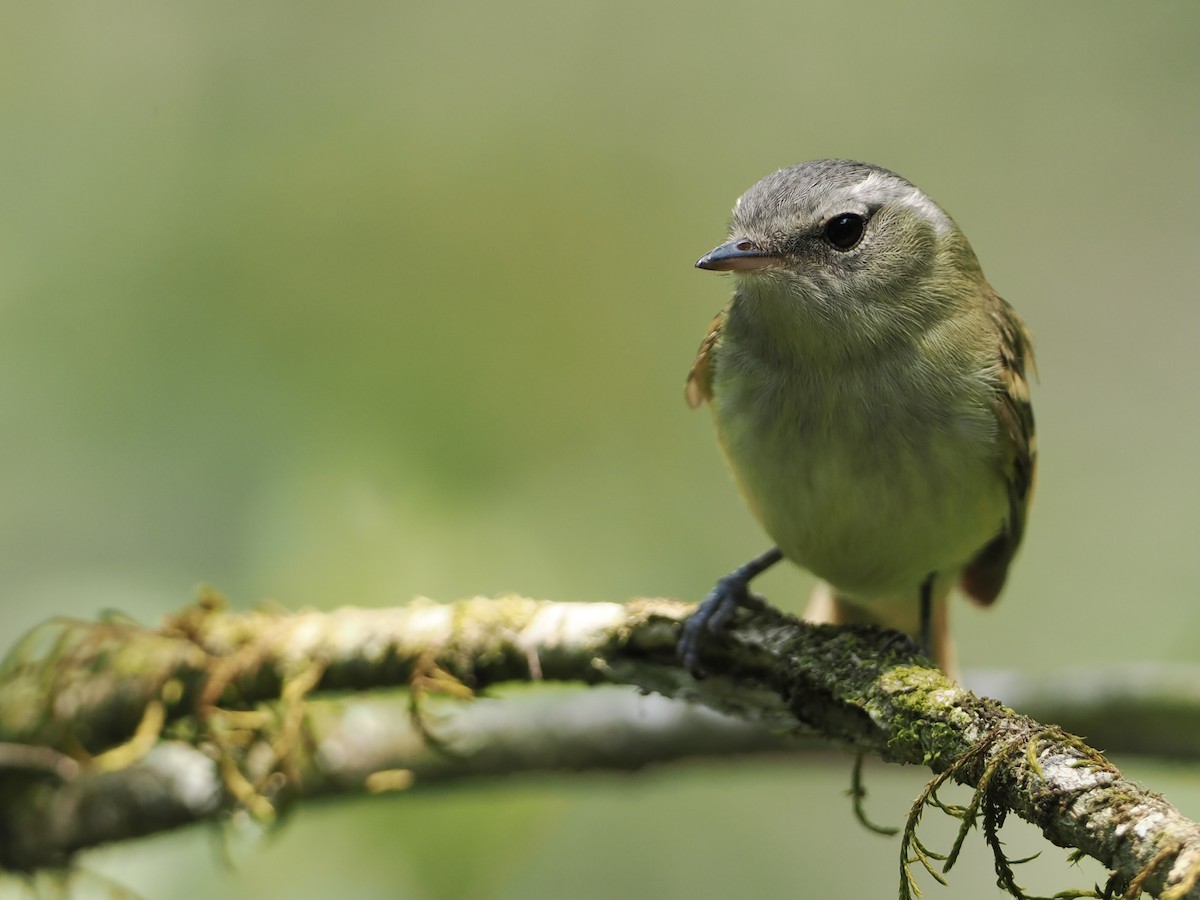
(349, 303)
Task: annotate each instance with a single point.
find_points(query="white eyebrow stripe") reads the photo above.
(878, 187)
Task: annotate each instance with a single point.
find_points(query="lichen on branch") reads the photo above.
(217, 710)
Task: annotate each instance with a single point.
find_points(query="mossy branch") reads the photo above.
(114, 730)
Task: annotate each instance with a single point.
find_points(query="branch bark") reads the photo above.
(114, 730)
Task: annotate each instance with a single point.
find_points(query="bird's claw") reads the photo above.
(716, 610)
(713, 615)
(904, 643)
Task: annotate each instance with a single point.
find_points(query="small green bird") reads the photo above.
(869, 392)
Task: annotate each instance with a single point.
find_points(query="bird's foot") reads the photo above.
(905, 643)
(714, 614)
(717, 609)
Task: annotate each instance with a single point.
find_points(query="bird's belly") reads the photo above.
(873, 506)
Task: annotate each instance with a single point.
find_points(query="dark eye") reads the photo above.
(845, 230)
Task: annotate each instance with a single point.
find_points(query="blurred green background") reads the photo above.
(346, 304)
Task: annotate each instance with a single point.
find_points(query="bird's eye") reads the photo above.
(845, 230)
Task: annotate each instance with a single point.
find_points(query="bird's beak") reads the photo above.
(736, 256)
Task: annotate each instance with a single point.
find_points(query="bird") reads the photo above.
(870, 393)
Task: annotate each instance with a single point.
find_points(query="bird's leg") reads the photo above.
(926, 636)
(722, 602)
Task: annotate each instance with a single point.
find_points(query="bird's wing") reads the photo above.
(699, 381)
(984, 576)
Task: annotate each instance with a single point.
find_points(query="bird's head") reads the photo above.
(838, 241)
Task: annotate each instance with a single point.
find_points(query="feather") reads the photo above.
(984, 576)
(698, 388)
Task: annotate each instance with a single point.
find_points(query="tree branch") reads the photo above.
(119, 730)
